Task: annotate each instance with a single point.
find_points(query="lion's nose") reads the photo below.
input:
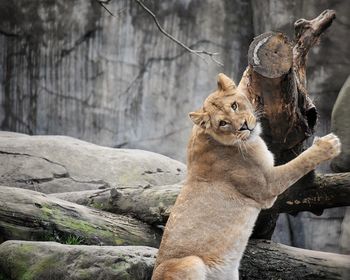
(244, 126)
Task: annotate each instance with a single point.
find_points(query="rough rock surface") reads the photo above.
(52, 164)
(53, 261)
(70, 68)
(29, 215)
(341, 127)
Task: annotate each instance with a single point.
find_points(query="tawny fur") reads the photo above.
(231, 177)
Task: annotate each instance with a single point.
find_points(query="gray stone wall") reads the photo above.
(70, 68)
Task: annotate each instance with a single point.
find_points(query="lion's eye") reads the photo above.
(234, 106)
(222, 123)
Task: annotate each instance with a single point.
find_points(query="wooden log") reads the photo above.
(270, 55)
(272, 85)
(21, 260)
(326, 191)
(262, 260)
(151, 204)
(29, 215)
(267, 260)
(307, 34)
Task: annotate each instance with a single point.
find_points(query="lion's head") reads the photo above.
(227, 114)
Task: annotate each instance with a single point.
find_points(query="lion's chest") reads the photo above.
(236, 242)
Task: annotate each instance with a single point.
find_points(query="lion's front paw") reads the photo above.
(327, 147)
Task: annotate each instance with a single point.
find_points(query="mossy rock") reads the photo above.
(29, 215)
(53, 261)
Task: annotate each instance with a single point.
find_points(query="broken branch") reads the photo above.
(199, 53)
(327, 191)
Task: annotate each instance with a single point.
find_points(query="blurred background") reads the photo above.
(70, 68)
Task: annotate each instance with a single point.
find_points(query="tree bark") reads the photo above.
(151, 205)
(29, 215)
(267, 260)
(275, 80)
(326, 191)
(52, 261)
(262, 260)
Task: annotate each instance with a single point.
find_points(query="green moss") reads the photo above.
(21, 265)
(26, 248)
(121, 269)
(46, 211)
(19, 261)
(86, 229)
(46, 268)
(83, 275)
(68, 222)
(118, 241)
(98, 205)
(27, 276)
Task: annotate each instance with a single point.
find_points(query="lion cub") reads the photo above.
(231, 177)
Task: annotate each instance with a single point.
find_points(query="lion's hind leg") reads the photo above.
(187, 268)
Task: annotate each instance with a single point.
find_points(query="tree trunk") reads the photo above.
(326, 191)
(29, 215)
(268, 260)
(276, 83)
(52, 261)
(151, 205)
(262, 260)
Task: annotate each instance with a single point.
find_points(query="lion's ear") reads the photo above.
(225, 83)
(200, 118)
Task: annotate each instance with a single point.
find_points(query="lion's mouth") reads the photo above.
(245, 134)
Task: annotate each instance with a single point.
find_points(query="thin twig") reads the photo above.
(106, 2)
(199, 53)
(103, 3)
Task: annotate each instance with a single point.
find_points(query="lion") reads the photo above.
(231, 177)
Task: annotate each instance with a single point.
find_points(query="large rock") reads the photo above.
(341, 127)
(21, 260)
(29, 215)
(52, 164)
